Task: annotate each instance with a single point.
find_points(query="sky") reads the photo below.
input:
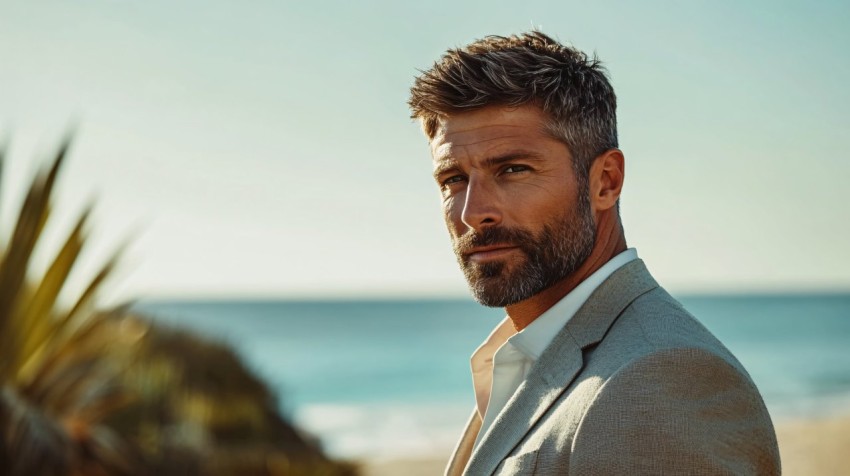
(264, 149)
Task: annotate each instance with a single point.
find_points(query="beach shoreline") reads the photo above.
(807, 446)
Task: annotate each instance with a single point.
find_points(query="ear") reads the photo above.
(606, 179)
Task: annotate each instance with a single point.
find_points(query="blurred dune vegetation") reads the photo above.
(90, 391)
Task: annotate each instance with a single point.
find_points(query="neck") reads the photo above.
(610, 241)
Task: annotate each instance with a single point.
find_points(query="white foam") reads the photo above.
(384, 431)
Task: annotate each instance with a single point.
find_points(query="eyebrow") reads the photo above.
(449, 163)
(445, 165)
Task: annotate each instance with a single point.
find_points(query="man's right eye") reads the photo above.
(452, 179)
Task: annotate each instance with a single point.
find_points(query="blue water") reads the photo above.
(391, 378)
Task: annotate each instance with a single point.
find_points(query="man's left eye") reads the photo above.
(515, 168)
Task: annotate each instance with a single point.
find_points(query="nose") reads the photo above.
(481, 205)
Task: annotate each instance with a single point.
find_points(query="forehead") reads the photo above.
(488, 129)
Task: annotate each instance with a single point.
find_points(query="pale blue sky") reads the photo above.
(264, 148)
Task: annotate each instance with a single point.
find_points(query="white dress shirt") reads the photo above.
(503, 361)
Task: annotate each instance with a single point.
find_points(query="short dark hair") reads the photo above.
(570, 87)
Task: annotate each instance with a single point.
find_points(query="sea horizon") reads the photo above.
(357, 296)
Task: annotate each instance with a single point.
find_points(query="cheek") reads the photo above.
(452, 215)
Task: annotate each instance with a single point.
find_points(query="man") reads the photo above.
(596, 369)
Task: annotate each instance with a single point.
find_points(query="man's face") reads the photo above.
(518, 219)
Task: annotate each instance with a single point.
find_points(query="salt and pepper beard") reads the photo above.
(557, 252)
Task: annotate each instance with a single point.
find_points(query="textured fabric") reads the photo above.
(503, 361)
(632, 384)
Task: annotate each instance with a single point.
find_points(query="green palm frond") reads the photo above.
(40, 332)
(16, 260)
(33, 334)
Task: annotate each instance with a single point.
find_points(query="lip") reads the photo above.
(488, 253)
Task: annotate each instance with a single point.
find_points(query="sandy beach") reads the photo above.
(807, 447)
(815, 446)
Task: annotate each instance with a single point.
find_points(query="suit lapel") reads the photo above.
(530, 401)
(558, 366)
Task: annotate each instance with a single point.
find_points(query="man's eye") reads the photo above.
(515, 168)
(452, 179)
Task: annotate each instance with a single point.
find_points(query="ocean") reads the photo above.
(390, 378)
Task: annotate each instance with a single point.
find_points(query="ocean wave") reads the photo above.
(385, 431)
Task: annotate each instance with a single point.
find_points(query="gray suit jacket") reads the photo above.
(632, 384)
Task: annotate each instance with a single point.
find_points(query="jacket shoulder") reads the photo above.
(656, 321)
(671, 397)
(676, 409)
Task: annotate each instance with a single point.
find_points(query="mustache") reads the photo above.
(492, 236)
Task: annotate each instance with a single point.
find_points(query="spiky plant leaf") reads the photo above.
(39, 331)
(15, 265)
(74, 317)
(45, 372)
